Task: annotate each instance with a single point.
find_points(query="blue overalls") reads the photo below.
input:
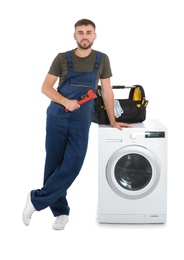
(66, 140)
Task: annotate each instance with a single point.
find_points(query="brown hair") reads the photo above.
(85, 22)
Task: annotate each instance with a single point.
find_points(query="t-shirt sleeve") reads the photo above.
(106, 71)
(55, 68)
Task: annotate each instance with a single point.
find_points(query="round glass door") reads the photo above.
(133, 172)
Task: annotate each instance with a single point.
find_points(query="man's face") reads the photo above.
(84, 36)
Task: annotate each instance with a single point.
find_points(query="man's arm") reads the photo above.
(49, 90)
(108, 98)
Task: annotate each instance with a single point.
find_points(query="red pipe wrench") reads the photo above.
(85, 98)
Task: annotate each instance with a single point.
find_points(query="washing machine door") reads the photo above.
(133, 172)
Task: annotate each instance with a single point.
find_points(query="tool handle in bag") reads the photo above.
(122, 87)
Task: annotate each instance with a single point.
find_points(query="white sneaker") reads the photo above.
(28, 211)
(60, 222)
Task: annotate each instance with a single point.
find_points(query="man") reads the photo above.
(68, 122)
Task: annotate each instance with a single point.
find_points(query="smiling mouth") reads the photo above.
(85, 41)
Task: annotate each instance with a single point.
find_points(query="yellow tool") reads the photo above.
(137, 95)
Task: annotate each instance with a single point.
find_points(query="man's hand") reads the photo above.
(71, 105)
(120, 125)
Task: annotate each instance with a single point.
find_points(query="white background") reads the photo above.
(144, 41)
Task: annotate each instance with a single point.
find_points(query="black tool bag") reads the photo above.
(130, 110)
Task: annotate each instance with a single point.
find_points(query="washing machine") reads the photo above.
(132, 173)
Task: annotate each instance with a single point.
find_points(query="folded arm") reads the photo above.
(49, 90)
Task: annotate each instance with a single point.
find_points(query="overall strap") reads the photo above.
(98, 60)
(69, 59)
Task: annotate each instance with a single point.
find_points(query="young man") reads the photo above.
(68, 123)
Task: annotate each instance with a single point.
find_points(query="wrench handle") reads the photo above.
(91, 95)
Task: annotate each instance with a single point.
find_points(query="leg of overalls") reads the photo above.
(69, 130)
(56, 139)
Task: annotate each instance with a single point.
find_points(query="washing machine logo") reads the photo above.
(133, 172)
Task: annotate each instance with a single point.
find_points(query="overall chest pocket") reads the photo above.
(84, 80)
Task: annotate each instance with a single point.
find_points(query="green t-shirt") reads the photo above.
(59, 65)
